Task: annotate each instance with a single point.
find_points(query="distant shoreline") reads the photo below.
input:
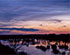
(61, 37)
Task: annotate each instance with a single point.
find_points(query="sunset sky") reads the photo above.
(34, 17)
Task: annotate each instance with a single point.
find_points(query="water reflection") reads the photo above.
(30, 46)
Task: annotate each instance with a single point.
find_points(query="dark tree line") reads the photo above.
(61, 37)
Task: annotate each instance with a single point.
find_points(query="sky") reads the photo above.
(34, 17)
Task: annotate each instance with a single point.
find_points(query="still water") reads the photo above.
(38, 46)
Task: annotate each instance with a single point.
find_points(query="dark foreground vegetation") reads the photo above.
(6, 50)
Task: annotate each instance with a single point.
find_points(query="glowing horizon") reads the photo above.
(45, 16)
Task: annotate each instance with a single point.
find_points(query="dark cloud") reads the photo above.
(4, 25)
(64, 26)
(20, 29)
(56, 20)
(2, 32)
(41, 24)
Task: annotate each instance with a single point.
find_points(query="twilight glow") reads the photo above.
(34, 17)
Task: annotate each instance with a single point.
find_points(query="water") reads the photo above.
(37, 46)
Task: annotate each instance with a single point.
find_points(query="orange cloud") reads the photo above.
(39, 32)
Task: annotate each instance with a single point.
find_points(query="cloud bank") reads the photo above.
(33, 9)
